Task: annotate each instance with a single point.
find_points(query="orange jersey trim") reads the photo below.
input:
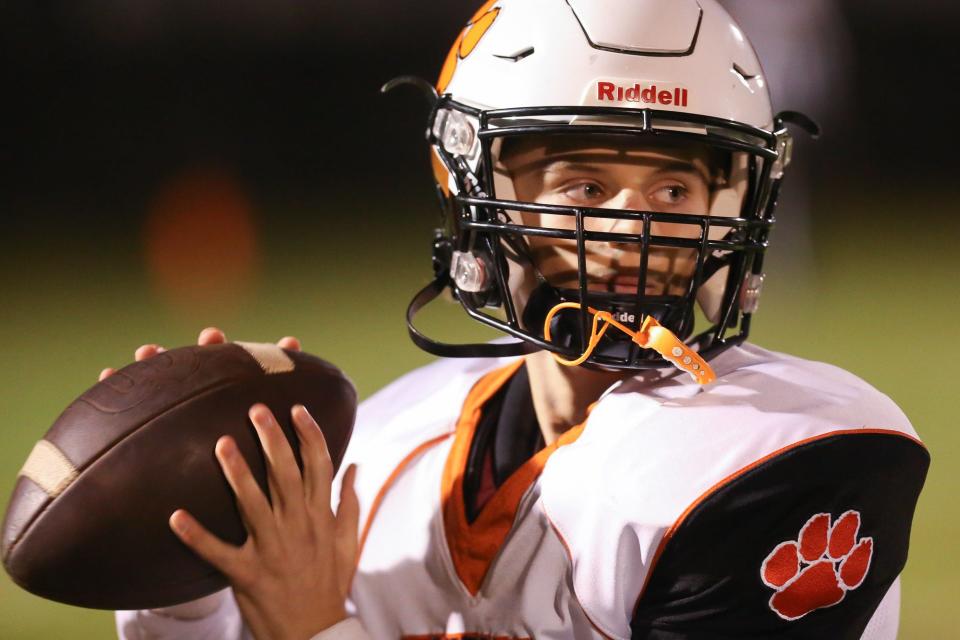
(733, 476)
(378, 500)
(474, 545)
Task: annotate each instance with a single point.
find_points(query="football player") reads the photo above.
(624, 464)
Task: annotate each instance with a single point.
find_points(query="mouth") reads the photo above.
(608, 281)
(626, 283)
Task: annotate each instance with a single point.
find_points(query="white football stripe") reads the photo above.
(272, 359)
(49, 468)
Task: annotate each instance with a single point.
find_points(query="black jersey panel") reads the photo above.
(508, 429)
(803, 545)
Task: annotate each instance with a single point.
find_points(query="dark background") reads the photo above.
(109, 98)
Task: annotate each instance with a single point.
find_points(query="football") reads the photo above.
(87, 522)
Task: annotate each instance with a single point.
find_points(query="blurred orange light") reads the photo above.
(201, 242)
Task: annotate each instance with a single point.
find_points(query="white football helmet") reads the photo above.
(658, 73)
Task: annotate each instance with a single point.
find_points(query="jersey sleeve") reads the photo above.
(223, 623)
(802, 544)
(775, 503)
(347, 629)
(886, 619)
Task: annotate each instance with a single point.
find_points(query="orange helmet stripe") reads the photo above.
(476, 31)
(449, 66)
(467, 41)
(482, 10)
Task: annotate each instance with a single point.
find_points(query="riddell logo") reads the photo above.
(651, 94)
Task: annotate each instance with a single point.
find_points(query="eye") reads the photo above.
(584, 192)
(671, 194)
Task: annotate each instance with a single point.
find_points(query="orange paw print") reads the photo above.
(817, 569)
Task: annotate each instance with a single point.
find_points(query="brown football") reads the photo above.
(87, 522)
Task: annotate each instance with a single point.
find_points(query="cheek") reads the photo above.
(550, 255)
(544, 221)
(675, 230)
(698, 203)
(671, 270)
(550, 221)
(528, 187)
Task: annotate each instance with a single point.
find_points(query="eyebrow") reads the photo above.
(569, 162)
(683, 166)
(548, 164)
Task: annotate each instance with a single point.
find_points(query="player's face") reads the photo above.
(576, 171)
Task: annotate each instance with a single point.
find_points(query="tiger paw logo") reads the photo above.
(818, 568)
(467, 41)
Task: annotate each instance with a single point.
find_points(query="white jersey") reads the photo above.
(674, 511)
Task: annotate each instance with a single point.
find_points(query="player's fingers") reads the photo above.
(145, 351)
(289, 342)
(211, 335)
(252, 503)
(106, 373)
(347, 529)
(221, 555)
(281, 465)
(317, 468)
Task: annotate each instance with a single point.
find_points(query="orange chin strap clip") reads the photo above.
(652, 335)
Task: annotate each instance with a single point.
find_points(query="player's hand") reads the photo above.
(292, 575)
(210, 335)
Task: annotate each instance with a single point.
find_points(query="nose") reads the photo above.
(630, 200)
(634, 200)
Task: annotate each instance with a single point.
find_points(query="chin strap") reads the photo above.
(479, 350)
(652, 335)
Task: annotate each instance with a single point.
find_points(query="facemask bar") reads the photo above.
(493, 229)
(479, 225)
